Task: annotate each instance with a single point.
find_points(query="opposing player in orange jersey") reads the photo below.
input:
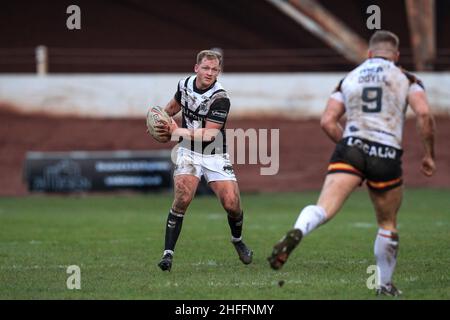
(374, 97)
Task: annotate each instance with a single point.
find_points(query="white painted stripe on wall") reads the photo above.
(129, 95)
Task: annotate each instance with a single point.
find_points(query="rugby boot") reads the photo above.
(245, 254)
(388, 290)
(283, 248)
(166, 262)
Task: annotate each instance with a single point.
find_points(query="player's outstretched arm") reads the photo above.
(426, 128)
(330, 119)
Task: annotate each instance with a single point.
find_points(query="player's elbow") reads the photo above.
(423, 113)
(425, 123)
(419, 105)
(327, 122)
(425, 118)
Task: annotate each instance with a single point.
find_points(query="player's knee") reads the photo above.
(181, 203)
(183, 195)
(177, 207)
(232, 207)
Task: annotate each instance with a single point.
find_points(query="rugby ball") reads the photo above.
(156, 115)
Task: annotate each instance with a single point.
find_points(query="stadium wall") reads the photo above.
(301, 95)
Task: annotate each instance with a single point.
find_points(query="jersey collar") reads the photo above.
(202, 91)
(379, 57)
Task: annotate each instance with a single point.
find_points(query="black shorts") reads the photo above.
(381, 165)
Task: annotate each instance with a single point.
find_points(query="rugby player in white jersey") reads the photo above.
(374, 97)
(202, 151)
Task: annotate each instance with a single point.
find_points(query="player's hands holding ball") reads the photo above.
(160, 125)
(165, 129)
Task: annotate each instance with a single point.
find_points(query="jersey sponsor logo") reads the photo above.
(371, 70)
(219, 113)
(192, 115)
(383, 132)
(379, 151)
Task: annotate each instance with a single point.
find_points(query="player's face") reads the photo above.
(207, 71)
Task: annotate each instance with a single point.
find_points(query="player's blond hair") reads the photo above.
(382, 37)
(210, 55)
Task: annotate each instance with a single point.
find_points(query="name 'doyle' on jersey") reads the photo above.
(372, 150)
(373, 74)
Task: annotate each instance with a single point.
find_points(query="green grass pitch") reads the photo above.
(118, 240)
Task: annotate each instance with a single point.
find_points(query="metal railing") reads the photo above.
(42, 60)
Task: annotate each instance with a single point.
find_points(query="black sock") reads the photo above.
(173, 229)
(236, 225)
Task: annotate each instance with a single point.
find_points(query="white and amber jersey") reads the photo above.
(375, 95)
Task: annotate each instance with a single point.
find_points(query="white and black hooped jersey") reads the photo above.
(375, 95)
(199, 106)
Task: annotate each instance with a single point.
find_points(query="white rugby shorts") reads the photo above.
(215, 167)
